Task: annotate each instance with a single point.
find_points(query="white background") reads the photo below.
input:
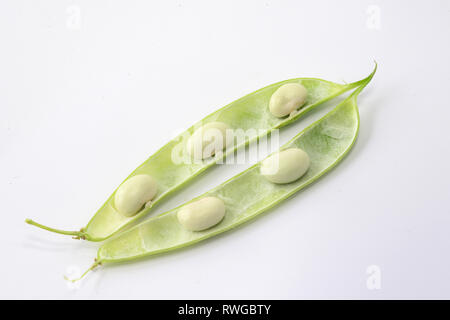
(90, 89)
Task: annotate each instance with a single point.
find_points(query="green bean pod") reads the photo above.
(249, 112)
(247, 194)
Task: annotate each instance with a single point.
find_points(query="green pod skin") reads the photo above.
(248, 194)
(249, 112)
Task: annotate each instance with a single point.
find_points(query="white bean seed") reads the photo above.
(201, 214)
(285, 166)
(287, 98)
(134, 193)
(208, 140)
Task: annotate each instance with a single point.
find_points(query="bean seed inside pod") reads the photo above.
(287, 99)
(285, 166)
(201, 214)
(208, 140)
(134, 193)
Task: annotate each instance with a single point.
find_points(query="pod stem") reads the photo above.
(94, 265)
(76, 234)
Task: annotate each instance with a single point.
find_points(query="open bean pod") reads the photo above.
(247, 194)
(163, 175)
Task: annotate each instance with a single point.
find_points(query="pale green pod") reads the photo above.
(247, 194)
(201, 214)
(250, 114)
(285, 166)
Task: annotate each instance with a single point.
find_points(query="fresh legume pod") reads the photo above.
(247, 194)
(249, 112)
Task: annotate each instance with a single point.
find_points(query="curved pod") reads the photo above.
(248, 194)
(248, 113)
